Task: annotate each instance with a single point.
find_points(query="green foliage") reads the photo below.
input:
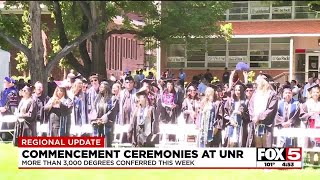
(25, 39)
(26, 79)
(314, 5)
(251, 76)
(12, 25)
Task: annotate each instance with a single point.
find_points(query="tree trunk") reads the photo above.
(98, 55)
(36, 62)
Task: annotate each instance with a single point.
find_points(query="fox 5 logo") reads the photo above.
(279, 154)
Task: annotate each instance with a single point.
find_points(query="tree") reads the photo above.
(38, 67)
(181, 19)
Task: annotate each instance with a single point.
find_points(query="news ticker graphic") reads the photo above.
(89, 153)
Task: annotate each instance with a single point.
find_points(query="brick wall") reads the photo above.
(125, 54)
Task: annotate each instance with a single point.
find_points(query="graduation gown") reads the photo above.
(126, 105)
(211, 124)
(109, 120)
(191, 109)
(242, 120)
(59, 118)
(40, 102)
(266, 118)
(292, 118)
(311, 121)
(26, 125)
(140, 131)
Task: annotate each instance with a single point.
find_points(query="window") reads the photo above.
(281, 9)
(238, 51)
(127, 48)
(116, 54)
(259, 52)
(260, 9)
(132, 48)
(196, 52)
(216, 49)
(175, 64)
(239, 11)
(280, 52)
(302, 11)
(176, 50)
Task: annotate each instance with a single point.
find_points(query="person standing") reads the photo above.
(262, 109)
(140, 132)
(40, 100)
(310, 116)
(26, 113)
(8, 103)
(59, 109)
(93, 91)
(306, 86)
(182, 77)
(225, 76)
(288, 116)
(127, 103)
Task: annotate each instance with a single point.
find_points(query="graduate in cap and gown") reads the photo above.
(236, 112)
(40, 101)
(263, 108)
(191, 106)
(26, 114)
(169, 100)
(211, 119)
(59, 109)
(93, 90)
(288, 116)
(310, 111)
(309, 115)
(79, 115)
(127, 103)
(140, 132)
(248, 126)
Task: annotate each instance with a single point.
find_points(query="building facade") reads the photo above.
(280, 38)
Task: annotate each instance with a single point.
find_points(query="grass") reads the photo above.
(9, 171)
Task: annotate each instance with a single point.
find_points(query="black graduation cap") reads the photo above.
(129, 78)
(142, 91)
(94, 76)
(313, 86)
(217, 87)
(287, 87)
(170, 80)
(28, 88)
(249, 85)
(149, 81)
(192, 84)
(79, 76)
(154, 84)
(241, 84)
(84, 80)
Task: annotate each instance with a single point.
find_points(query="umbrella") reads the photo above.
(241, 66)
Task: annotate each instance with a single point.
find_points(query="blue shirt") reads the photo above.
(5, 94)
(202, 87)
(182, 76)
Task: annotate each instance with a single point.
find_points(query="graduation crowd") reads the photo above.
(233, 113)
